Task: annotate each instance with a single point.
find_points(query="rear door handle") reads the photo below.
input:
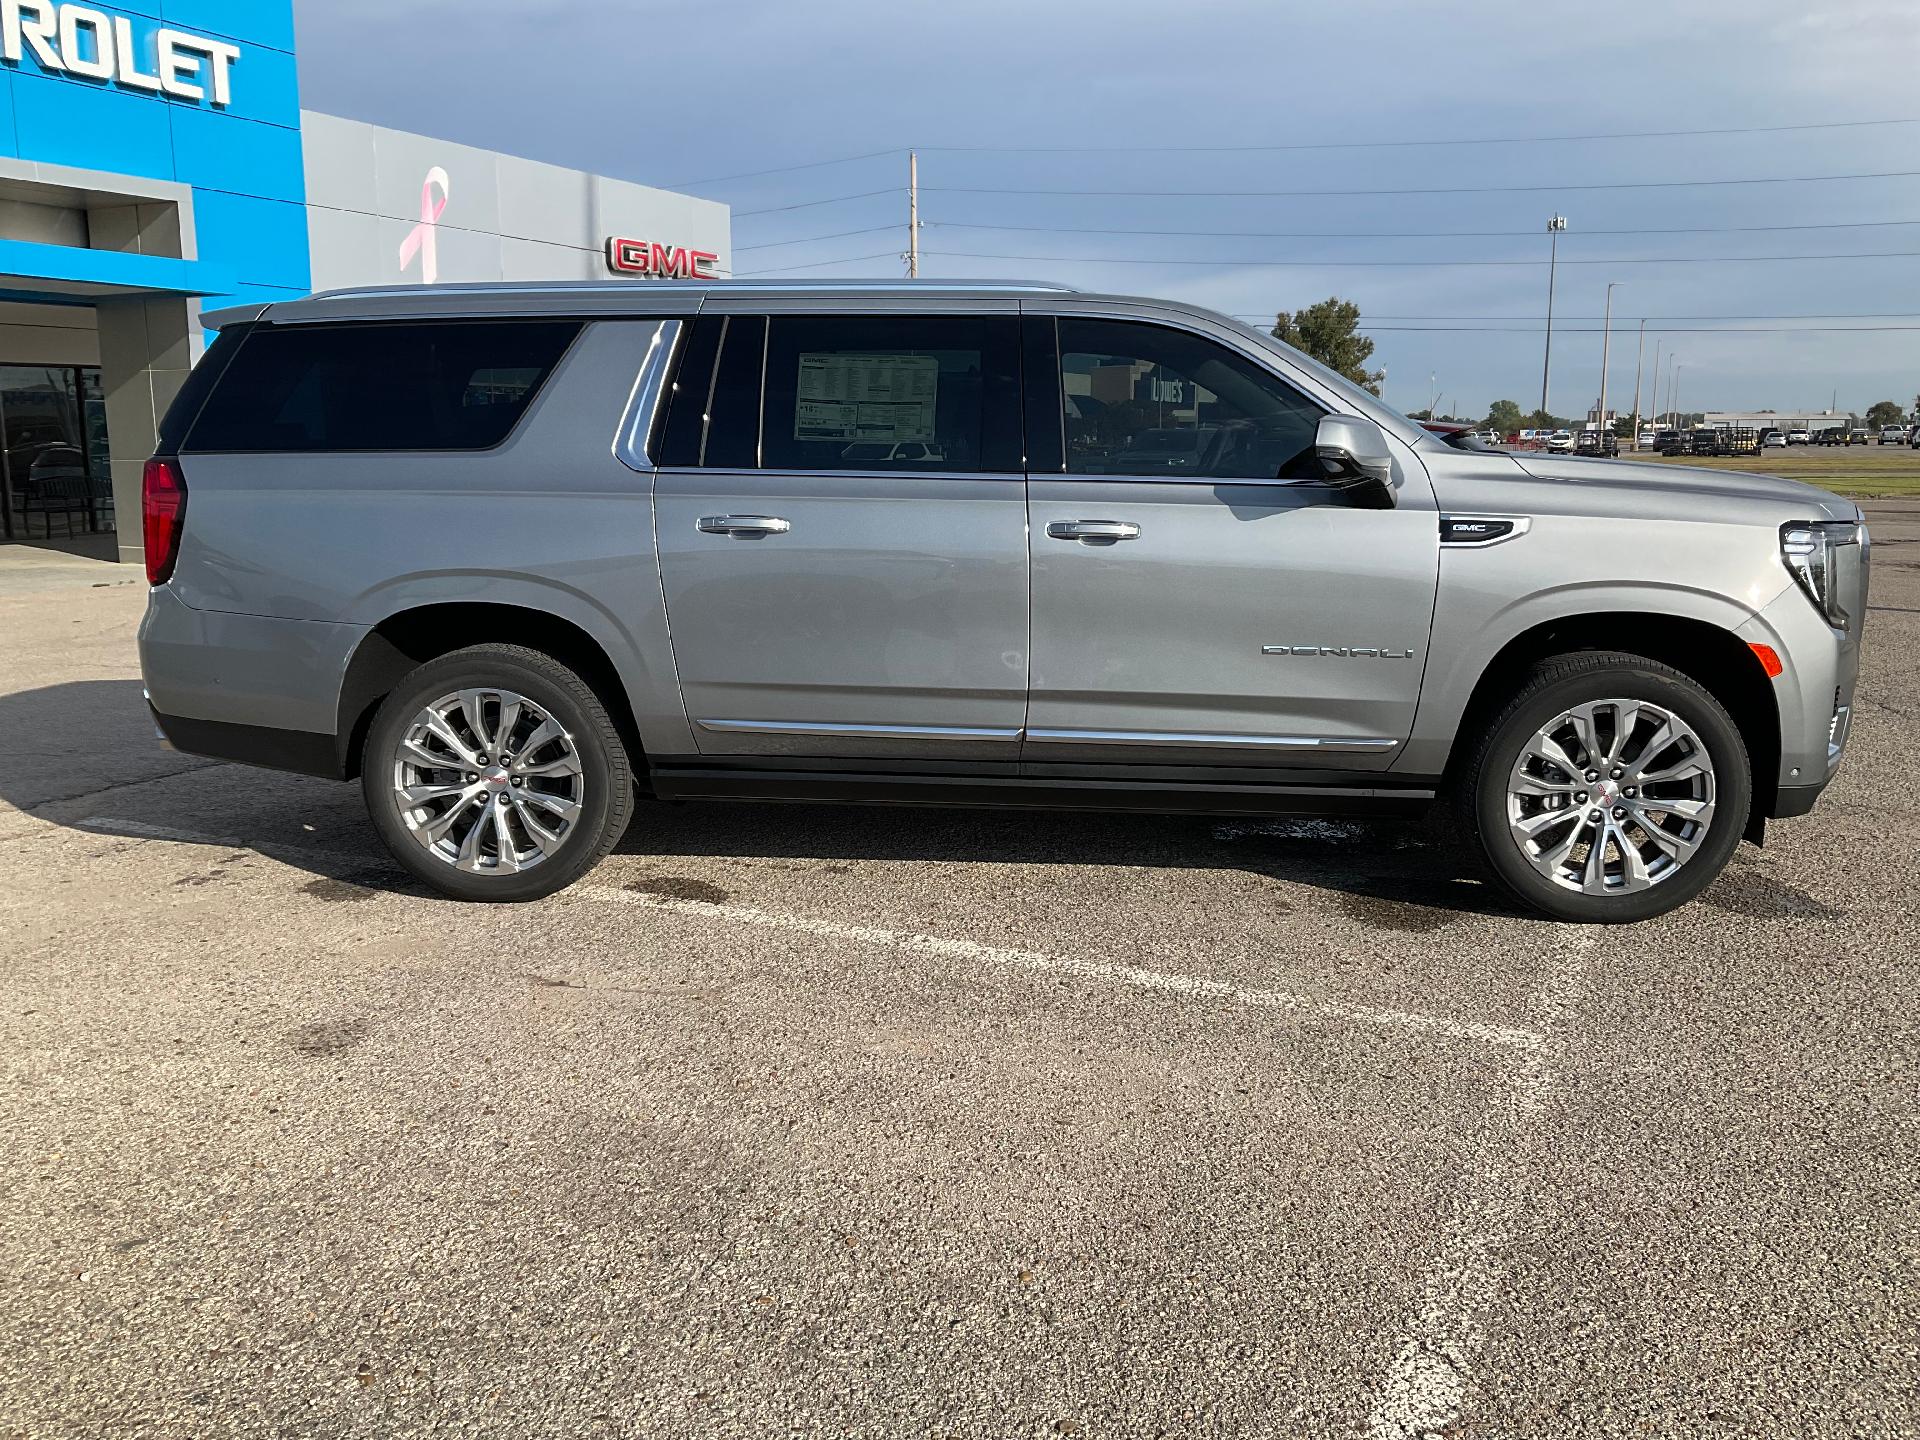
(1093, 532)
(742, 525)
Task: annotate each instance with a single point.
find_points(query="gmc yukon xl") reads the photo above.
(518, 557)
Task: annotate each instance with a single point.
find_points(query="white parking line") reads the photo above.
(1190, 987)
(1429, 1383)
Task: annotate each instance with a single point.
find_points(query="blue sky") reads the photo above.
(671, 95)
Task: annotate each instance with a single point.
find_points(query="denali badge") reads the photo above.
(1351, 652)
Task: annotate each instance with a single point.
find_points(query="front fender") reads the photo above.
(1475, 621)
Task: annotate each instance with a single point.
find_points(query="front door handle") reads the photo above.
(1093, 532)
(745, 526)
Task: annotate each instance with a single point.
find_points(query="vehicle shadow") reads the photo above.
(84, 754)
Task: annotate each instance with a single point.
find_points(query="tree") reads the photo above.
(1884, 412)
(1329, 332)
(1506, 416)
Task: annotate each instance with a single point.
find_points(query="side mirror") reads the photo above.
(1352, 453)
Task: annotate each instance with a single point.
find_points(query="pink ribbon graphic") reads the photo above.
(422, 239)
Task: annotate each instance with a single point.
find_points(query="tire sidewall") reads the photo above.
(584, 846)
(1733, 793)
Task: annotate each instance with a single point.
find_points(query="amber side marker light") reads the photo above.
(1768, 657)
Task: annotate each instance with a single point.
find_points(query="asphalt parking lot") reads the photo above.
(849, 1122)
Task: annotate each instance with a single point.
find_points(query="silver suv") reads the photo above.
(516, 555)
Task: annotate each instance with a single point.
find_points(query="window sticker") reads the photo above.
(886, 398)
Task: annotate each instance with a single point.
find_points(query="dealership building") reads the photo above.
(155, 161)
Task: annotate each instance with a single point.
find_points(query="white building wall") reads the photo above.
(488, 216)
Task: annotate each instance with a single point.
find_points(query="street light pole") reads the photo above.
(1654, 394)
(1639, 359)
(1673, 399)
(1555, 225)
(913, 215)
(1606, 357)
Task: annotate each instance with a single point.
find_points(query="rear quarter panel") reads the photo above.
(551, 520)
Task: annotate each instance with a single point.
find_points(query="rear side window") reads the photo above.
(450, 385)
(903, 393)
(713, 415)
(200, 383)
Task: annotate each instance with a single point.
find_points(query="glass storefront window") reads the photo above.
(56, 483)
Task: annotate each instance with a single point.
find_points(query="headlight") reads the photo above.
(1811, 551)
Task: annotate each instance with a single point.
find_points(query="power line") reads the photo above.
(810, 204)
(814, 264)
(1418, 264)
(786, 169)
(1403, 144)
(1829, 315)
(1409, 234)
(1628, 330)
(1294, 146)
(811, 239)
(1418, 190)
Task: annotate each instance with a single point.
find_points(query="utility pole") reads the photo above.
(1606, 357)
(913, 215)
(1673, 398)
(1555, 225)
(1638, 360)
(1433, 397)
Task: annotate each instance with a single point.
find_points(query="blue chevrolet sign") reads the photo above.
(200, 93)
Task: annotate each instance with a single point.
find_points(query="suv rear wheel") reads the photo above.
(1610, 789)
(495, 773)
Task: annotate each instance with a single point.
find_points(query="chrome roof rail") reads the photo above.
(684, 287)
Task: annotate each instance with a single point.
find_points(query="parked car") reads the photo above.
(1561, 442)
(666, 580)
(1799, 436)
(1597, 442)
(1648, 437)
(1774, 440)
(1893, 434)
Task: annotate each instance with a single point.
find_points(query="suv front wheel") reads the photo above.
(1610, 789)
(495, 773)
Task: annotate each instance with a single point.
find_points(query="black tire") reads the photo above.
(1555, 684)
(606, 774)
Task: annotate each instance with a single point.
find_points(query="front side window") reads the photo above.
(933, 393)
(443, 385)
(1146, 400)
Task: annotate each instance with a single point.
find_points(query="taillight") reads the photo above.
(163, 506)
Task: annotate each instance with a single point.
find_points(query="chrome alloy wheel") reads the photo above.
(488, 781)
(1611, 797)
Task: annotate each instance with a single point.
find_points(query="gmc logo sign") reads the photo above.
(663, 262)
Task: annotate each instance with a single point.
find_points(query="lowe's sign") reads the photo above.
(90, 44)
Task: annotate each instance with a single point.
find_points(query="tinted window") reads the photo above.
(732, 438)
(933, 393)
(200, 383)
(685, 427)
(1147, 400)
(459, 385)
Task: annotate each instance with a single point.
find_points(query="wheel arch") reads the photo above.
(409, 638)
(1715, 657)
